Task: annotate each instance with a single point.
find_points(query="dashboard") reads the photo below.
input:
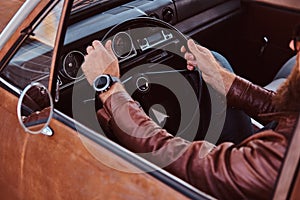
(143, 51)
(147, 46)
(127, 46)
(152, 68)
(132, 47)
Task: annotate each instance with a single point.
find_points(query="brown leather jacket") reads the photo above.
(228, 171)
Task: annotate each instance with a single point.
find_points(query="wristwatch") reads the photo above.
(103, 82)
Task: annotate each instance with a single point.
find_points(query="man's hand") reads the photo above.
(212, 72)
(100, 60)
(202, 58)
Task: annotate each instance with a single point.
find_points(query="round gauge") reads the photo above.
(72, 64)
(122, 45)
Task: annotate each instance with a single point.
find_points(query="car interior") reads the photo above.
(146, 37)
(253, 35)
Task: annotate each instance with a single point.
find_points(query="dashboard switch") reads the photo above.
(168, 14)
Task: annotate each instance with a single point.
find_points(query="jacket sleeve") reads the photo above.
(252, 99)
(223, 171)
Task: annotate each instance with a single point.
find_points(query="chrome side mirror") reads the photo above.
(35, 109)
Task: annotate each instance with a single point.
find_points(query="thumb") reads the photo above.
(193, 47)
(109, 48)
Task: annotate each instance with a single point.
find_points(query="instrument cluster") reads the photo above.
(125, 45)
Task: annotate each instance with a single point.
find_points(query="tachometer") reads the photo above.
(72, 65)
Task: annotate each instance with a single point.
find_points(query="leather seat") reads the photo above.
(280, 77)
(282, 74)
(275, 84)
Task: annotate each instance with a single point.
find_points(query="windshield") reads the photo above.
(81, 4)
(86, 8)
(32, 61)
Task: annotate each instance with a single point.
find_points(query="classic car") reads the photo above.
(53, 147)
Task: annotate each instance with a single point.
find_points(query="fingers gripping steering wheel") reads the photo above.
(153, 70)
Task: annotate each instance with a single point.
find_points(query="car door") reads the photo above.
(12, 135)
(62, 167)
(75, 162)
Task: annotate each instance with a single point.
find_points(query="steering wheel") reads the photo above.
(153, 70)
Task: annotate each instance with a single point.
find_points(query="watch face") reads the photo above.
(101, 83)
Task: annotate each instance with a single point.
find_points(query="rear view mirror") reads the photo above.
(35, 109)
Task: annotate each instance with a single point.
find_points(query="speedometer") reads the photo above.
(122, 45)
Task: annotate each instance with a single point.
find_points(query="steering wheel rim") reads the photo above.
(153, 22)
(142, 20)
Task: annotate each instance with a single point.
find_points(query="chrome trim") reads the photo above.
(105, 87)
(132, 51)
(166, 37)
(147, 84)
(45, 129)
(64, 65)
(10, 86)
(63, 86)
(17, 20)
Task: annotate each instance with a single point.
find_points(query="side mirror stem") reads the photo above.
(47, 131)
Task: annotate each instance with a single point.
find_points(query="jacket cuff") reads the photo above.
(249, 97)
(237, 90)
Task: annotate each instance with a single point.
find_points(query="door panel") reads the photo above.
(61, 167)
(11, 146)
